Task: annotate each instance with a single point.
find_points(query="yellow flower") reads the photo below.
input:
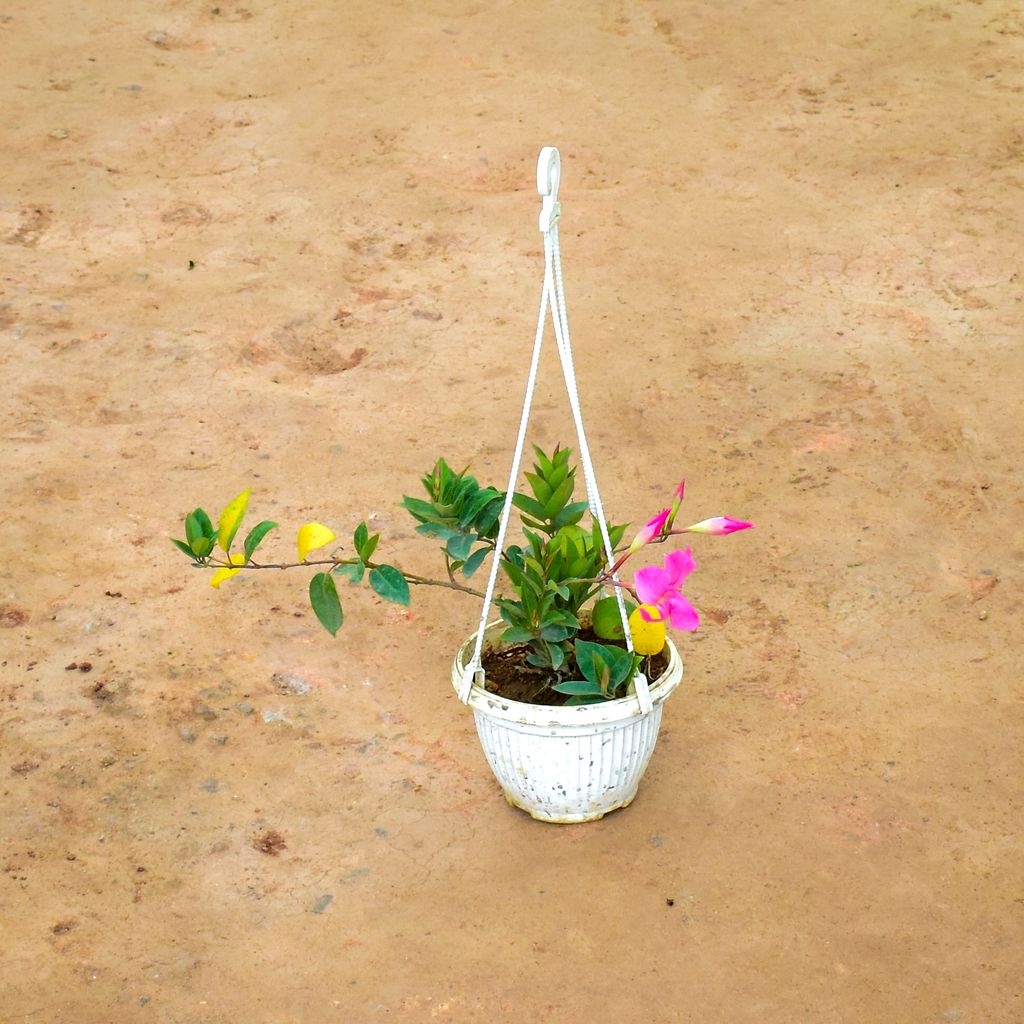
(230, 520)
(238, 558)
(648, 637)
(313, 536)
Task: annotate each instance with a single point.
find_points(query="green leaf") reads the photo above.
(184, 548)
(366, 553)
(460, 545)
(474, 561)
(487, 519)
(540, 487)
(556, 653)
(558, 474)
(438, 530)
(417, 507)
(544, 466)
(578, 687)
(323, 596)
(622, 665)
(352, 571)
(591, 661)
(390, 584)
(256, 535)
(610, 666)
(571, 513)
(557, 501)
(584, 699)
(204, 522)
(193, 528)
(361, 536)
(529, 505)
(606, 621)
(554, 633)
(202, 546)
(565, 618)
(516, 635)
(476, 505)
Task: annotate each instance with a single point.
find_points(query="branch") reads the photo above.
(416, 581)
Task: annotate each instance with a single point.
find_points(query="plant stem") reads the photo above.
(418, 581)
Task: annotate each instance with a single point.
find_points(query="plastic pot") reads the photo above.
(567, 764)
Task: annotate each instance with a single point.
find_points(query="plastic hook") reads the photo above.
(549, 174)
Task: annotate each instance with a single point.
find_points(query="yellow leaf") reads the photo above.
(231, 519)
(238, 558)
(313, 536)
(648, 637)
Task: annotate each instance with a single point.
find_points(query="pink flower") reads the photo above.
(650, 530)
(659, 586)
(720, 526)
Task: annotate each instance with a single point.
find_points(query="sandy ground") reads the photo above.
(792, 243)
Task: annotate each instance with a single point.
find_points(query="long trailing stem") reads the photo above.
(413, 578)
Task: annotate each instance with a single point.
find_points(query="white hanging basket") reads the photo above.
(561, 764)
(567, 764)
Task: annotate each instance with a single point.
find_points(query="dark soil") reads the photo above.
(509, 675)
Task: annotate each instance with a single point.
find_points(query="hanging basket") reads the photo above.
(567, 764)
(575, 763)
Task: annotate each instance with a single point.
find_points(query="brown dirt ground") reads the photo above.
(792, 243)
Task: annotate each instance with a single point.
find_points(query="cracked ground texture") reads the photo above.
(293, 246)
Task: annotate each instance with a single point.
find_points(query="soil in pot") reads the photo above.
(509, 675)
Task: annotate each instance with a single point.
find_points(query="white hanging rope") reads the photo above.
(553, 297)
(561, 324)
(473, 669)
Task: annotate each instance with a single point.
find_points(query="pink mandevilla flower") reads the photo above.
(659, 586)
(650, 530)
(720, 526)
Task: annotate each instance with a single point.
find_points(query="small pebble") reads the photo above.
(291, 684)
(210, 785)
(186, 734)
(245, 708)
(156, 38)
(982, 616)
(219, 740)
(205, 711)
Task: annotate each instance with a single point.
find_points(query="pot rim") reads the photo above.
(581, 715)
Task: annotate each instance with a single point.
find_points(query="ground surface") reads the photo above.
(792, 244)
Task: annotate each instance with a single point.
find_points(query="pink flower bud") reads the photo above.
(677, 500)
(720, 526)
(650, 530)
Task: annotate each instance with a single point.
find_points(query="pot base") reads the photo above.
(567, 819)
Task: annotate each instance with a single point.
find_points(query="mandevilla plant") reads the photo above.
(554, 576)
